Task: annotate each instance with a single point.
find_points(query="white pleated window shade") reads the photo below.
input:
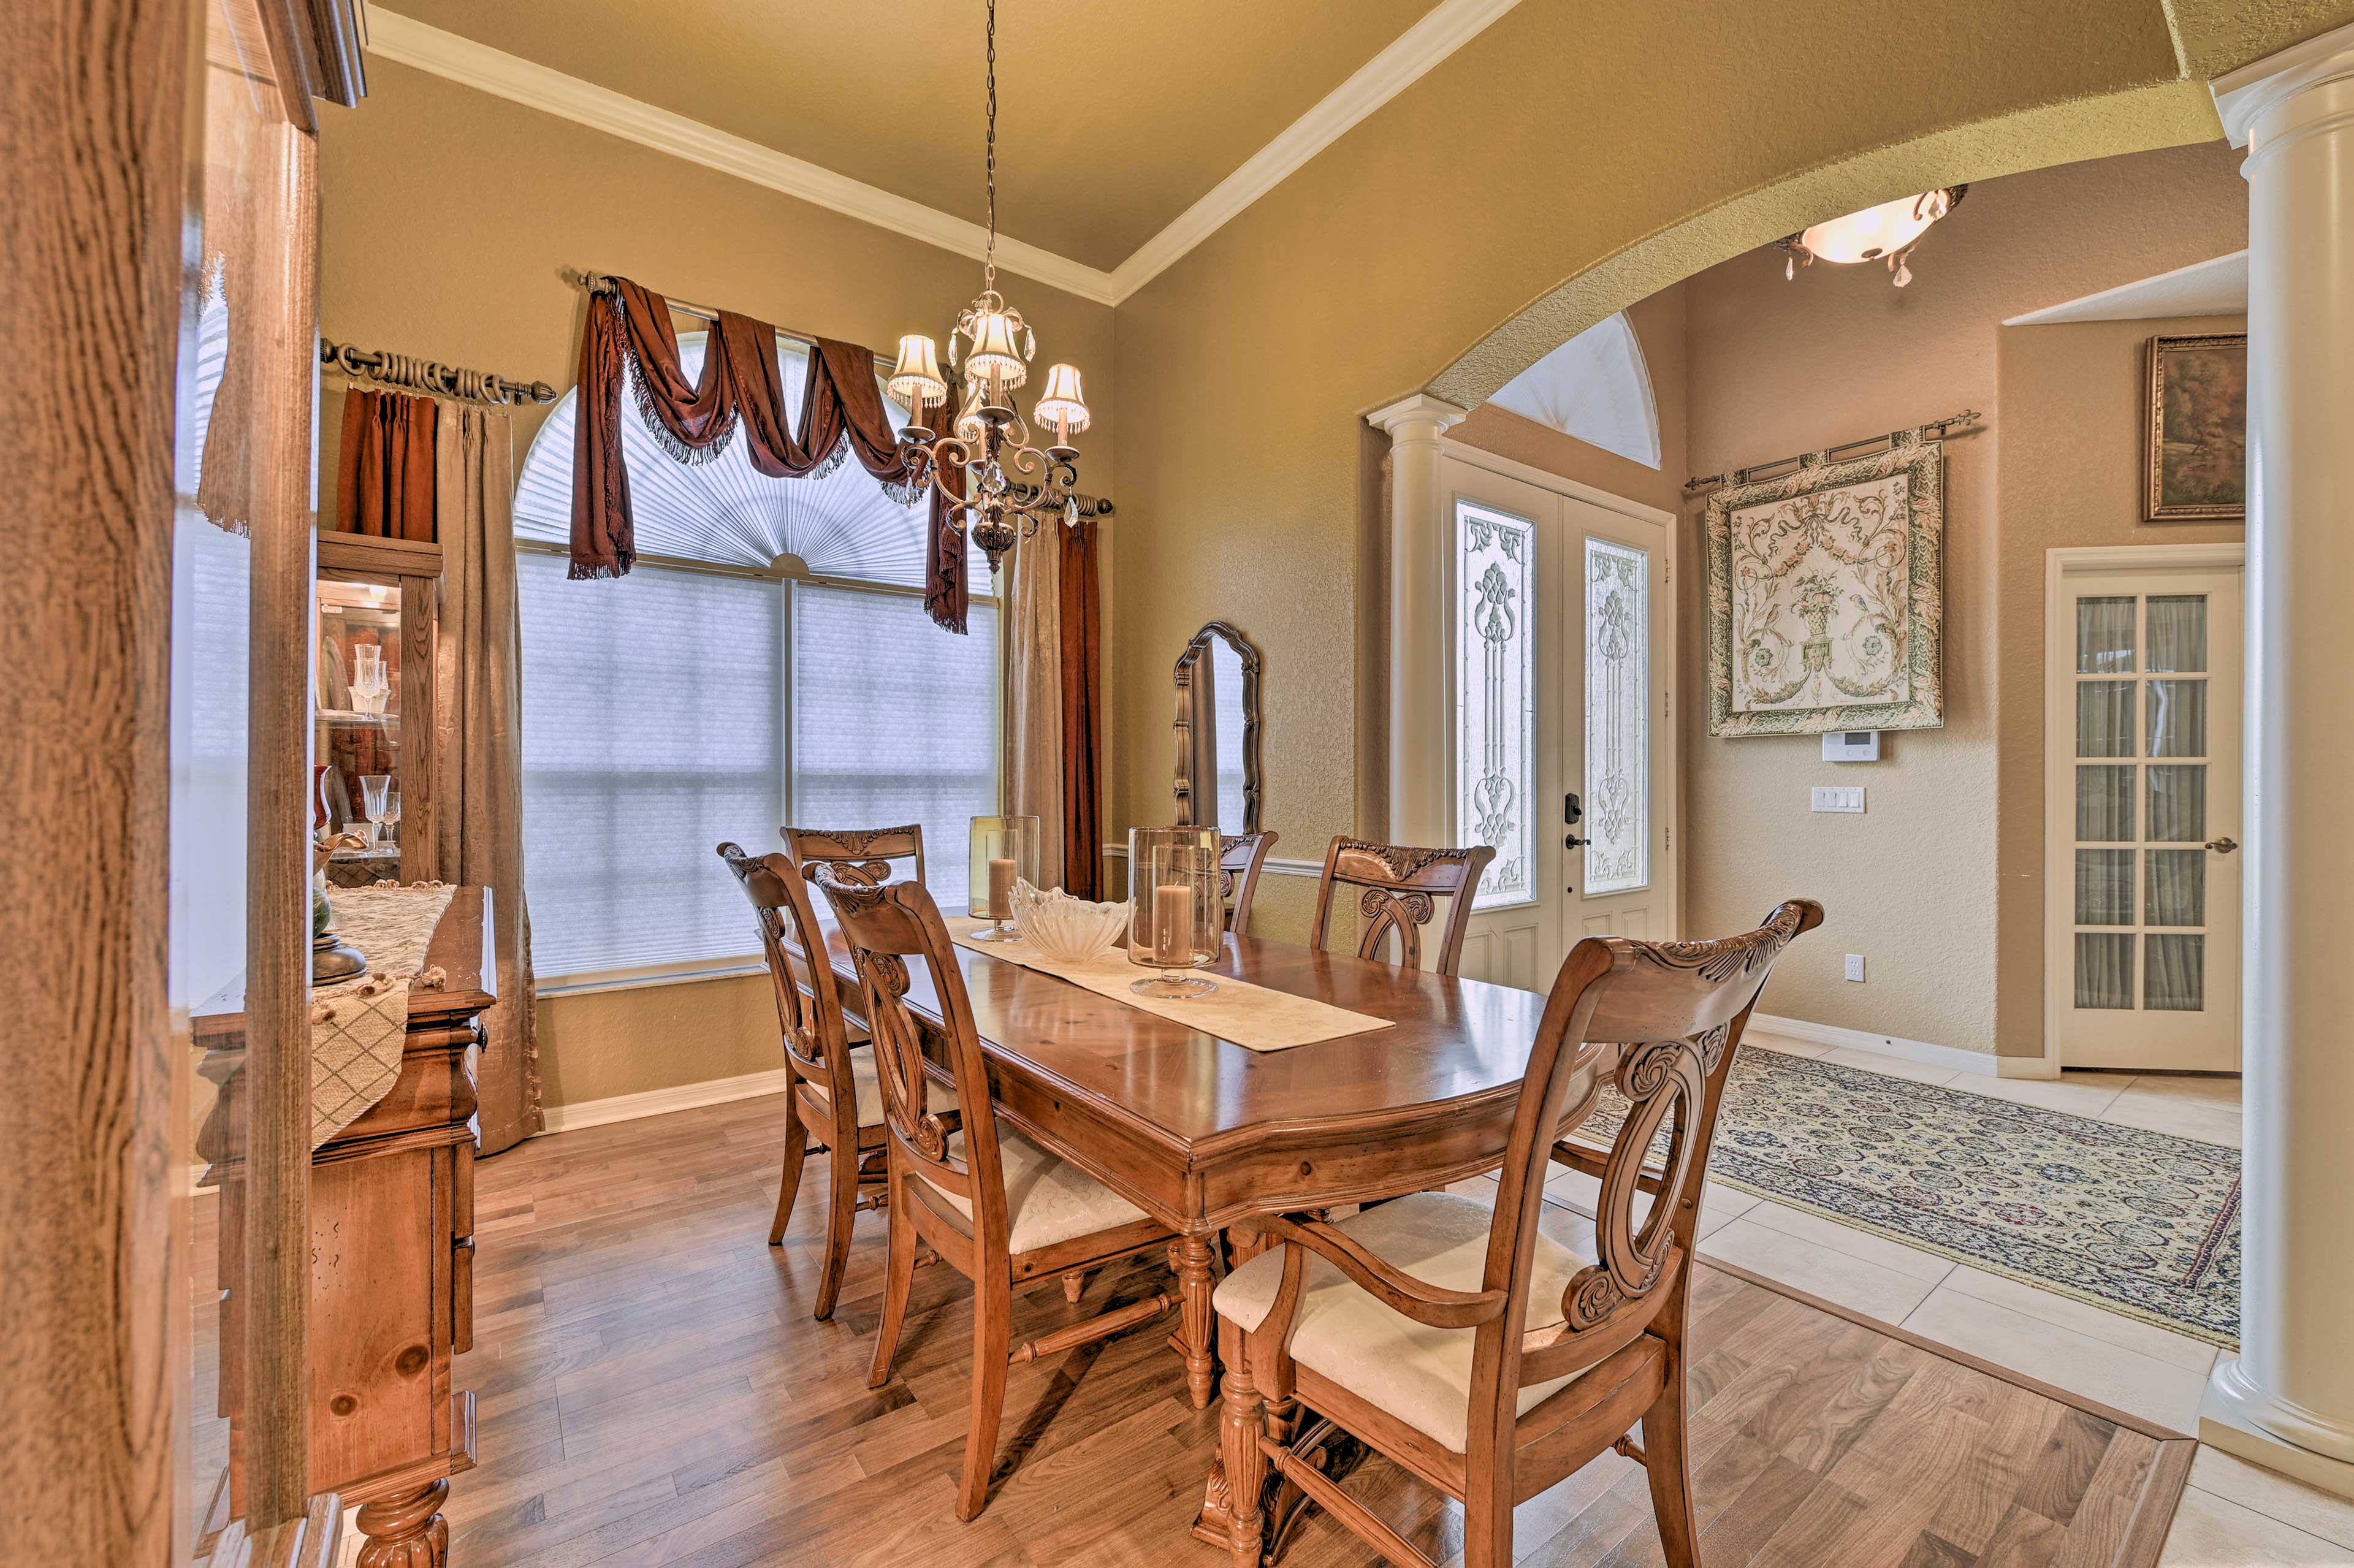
(725, 511)
(893, 723)
(653, 708)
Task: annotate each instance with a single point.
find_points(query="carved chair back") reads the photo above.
(816, 1039)
(859, 854)
(884, 925)
(1401, 888)
(1241, 856)
(1659, 1022)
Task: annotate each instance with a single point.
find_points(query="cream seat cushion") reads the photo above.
(1420, 1375)
(864, 1079)
(1047, 1198)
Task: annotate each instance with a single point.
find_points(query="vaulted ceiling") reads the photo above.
(1114, 115)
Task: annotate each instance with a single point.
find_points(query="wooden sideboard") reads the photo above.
(392, 1255)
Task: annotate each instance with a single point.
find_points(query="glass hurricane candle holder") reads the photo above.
(1177, 920)
(1004, 852)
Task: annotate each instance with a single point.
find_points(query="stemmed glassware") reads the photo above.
(380, 800)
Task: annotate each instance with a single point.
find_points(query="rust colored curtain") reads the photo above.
(629, 338)
(384, 476)
(1082, 754)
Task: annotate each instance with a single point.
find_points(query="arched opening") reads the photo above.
(1596, 388)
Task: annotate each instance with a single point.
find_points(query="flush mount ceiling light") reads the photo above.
(1888, 231)
(987, 437)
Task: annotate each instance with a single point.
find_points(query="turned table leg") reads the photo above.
(407, 1532)
(1196, 1336)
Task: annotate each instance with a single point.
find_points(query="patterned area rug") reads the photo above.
(2143, 1223)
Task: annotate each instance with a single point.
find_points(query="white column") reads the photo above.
(1418, 695)
(2287, 1399)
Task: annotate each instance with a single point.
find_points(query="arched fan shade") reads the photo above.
(1596, 388)
(841, 525)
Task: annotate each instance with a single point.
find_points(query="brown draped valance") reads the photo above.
(630, 337)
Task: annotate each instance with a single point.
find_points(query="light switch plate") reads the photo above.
(1839, 798)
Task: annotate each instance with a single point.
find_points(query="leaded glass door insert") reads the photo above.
(2144, 970)
(1496, 768)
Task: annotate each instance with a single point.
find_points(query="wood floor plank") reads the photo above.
(653, 1391)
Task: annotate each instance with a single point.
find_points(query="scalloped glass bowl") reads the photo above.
(1065, 928)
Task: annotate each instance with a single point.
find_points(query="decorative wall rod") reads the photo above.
(432, 377)
(600, 284)
(1949, 425)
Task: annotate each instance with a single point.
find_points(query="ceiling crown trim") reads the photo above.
(1410, 56)
(406, 41)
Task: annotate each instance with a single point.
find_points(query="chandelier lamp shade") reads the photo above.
(988, 442)
(1887, 232)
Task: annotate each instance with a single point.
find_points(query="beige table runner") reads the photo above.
(1252, 1016)
(360, 1027)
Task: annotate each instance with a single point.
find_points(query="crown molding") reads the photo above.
(406, 41)
(1410, 56)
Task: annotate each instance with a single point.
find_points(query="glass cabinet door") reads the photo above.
(364, 672)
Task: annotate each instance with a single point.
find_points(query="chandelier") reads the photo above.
(988, 438)
(1889, 231)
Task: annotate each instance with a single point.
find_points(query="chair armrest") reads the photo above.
(1402, 1293)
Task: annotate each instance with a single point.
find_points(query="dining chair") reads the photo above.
(1402, 886)
(835, 1104)
(865, 853)
(1478, 1353)
(1002, 1209)
(1241, 857)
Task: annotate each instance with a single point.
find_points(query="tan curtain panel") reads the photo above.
(479, 734)
(1035, 713)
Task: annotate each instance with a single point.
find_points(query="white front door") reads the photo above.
(1561, 634)
(2142, 961)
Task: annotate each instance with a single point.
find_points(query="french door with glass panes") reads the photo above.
(2142, 959)
(1561, 634)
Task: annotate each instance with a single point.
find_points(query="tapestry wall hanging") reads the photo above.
(1826, 596)
(2196, 433)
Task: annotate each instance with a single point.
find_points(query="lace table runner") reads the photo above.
(1251, 1016)
(359, 1027)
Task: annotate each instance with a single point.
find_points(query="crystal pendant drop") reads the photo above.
(1789, 272)
(1904, 273)
(1029, 343)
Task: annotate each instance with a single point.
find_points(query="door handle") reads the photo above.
(1571, 841)
(2221, 846)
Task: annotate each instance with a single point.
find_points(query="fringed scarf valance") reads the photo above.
(630, 337)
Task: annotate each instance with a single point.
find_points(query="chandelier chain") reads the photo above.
(988, 277)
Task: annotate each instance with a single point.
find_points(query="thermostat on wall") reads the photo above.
(1852, 745)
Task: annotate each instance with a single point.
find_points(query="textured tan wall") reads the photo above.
(447, 218)
(1780, 367)
(1426, 233)
(2070, 474)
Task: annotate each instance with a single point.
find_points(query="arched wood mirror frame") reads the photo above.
(1195, 741)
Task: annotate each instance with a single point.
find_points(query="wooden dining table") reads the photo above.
(1207, 1136)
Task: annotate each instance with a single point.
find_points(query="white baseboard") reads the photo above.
(661, 1102)
(1946, 1057)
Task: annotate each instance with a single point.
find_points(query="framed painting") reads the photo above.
(1826, 596)
(2195, 434)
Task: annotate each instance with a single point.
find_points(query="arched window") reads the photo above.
(768, 660)
(1597, 387)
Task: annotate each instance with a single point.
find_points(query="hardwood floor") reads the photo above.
(653, 1390)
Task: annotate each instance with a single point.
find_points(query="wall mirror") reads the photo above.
(1218, 731)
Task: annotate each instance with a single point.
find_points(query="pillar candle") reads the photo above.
(1172, 924)
(1001, 890)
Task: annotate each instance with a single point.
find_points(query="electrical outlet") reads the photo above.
(1837, 798)
(1855, 966)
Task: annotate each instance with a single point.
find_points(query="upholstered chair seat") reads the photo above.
(1047, 1199)
(1417, 1374)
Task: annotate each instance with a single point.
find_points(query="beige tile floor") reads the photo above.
(2233, 1515)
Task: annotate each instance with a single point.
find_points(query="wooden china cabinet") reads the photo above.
(373, 741)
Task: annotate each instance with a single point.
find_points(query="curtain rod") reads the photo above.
(431, 377)
(1951, 424)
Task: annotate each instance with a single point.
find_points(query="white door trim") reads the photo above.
(2058, 565)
